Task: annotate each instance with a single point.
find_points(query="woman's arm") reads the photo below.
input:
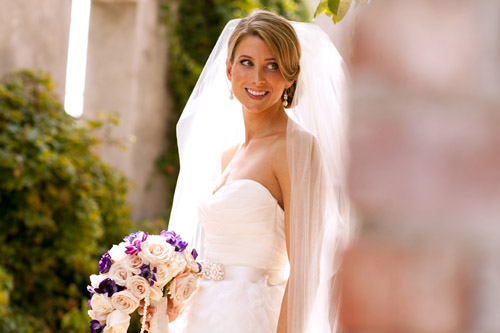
(282, 322)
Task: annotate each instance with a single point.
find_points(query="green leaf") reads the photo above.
(336, 9)
(321, 7)
(342, 10)
(334, 5)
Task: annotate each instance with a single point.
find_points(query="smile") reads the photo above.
(256, 93)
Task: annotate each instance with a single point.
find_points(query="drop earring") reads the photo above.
(285, 99)
(231, 95)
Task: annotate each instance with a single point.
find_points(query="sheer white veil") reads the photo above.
(319, 210)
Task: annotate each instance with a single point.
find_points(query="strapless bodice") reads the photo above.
(244, 225)
(243, 230)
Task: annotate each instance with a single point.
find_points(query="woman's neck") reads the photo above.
(264, 123)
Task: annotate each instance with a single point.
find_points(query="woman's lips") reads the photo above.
(256, 94)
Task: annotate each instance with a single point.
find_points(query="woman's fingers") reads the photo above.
(173, 310)
(151, 311)
(141, 307)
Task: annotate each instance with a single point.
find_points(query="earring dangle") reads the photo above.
(231, 95)
(285, 99)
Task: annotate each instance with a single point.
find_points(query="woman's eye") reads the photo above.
(246, 62)
(273, 66)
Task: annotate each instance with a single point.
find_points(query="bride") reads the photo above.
(260, 192)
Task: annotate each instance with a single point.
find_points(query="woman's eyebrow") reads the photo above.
(247, 56)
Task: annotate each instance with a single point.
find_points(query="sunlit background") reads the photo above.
(77, 57)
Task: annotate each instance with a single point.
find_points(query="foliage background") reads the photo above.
(60, 206)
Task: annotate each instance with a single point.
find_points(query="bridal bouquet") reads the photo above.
(143, 267)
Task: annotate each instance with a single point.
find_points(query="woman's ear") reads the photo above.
(229, 67)
(289, 84)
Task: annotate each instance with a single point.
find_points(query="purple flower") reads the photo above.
(175, 240)
(130, 238)
(95, 326)
(135, 245)
(168, 234)
(194, 254)
(181, 245)
(91, 291)
(105, 263)
(108, 286)
(148, 273)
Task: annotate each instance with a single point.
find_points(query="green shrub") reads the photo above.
(61, 207)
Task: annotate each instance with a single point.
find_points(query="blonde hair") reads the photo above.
(281, 38)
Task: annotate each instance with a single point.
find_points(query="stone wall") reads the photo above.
(126, 74)
(34, 35)
(424, 170)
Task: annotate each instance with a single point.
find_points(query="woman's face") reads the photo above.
(255, 77)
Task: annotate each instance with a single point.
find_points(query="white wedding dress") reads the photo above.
(244, 230)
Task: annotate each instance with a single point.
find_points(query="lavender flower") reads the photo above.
(105, 263)
(194, 254)
(174, 240)
(95, 326)
(168, 233)
(130, 238)
(135, 245)
(148, 273)
(108, 286)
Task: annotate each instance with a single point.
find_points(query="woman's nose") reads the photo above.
(258, 76)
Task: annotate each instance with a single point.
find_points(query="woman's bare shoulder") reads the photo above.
(228, 155)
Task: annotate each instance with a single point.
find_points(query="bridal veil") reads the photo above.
(319, 214)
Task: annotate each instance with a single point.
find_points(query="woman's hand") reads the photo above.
(172, 312)
(149, 315)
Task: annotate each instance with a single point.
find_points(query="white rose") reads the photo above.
(125, 301)
(99, 316)
(138, 286)
(117, 252)
(176, 264)
(155, 293)
(95, 280)
(101, 303)
(120, 272)
(134, 261)
(182, 287)
(155, 250)
(163, 275)
(117, 322)
(191, 262)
